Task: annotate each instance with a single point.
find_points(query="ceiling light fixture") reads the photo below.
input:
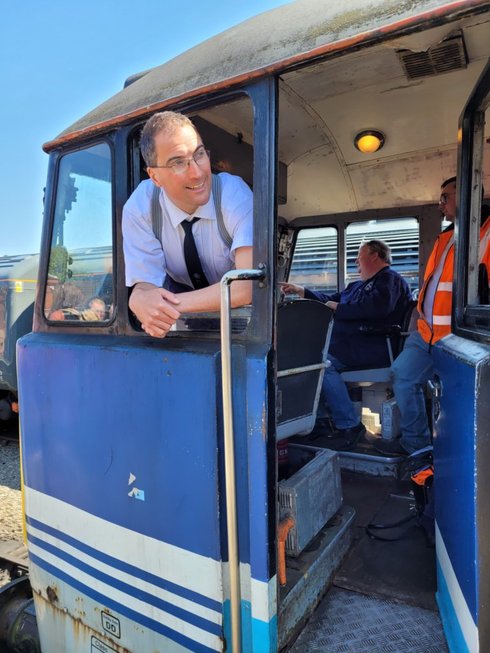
(369, 141)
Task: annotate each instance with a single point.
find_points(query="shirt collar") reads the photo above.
(176, 215)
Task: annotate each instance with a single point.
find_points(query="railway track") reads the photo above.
(13, 554)
(13, 560)
(9, 431)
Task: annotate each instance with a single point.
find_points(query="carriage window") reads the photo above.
(315, 259)
(402, 236)
(80, 281)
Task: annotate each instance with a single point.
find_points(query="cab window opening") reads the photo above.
(226, 131)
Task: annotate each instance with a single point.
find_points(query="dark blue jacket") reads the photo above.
(381, 300)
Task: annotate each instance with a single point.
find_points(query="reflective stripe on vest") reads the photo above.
(440, 320)
(440, 325)
(445, 285)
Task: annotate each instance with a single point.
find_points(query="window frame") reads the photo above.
(470, 320)
(262, 96)
(42, 322)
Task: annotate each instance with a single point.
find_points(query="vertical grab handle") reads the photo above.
(229, 449)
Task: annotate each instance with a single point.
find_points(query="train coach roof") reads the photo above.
(271, 41)
(22, 266)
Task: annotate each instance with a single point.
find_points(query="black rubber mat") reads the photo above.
(403, 569)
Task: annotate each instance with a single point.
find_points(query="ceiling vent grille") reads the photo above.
(444, 57)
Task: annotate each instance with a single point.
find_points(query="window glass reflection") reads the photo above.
(80, 275)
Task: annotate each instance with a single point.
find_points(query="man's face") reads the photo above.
(366, 262)
(447, 201)
(192, 188)
(98, 306)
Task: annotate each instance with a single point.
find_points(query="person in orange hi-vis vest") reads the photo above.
(414, 366)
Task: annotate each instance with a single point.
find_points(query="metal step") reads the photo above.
(310, 574)
(348, 622)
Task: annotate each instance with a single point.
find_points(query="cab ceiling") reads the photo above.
(323, 106)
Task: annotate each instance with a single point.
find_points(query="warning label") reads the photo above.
(99, 647)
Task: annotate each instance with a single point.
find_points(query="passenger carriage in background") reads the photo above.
(18, 275)
(130, 444)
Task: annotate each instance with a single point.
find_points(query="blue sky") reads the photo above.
(59, 60)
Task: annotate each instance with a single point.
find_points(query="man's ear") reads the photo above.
(152, 175)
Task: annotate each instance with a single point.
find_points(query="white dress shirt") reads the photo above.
(147, 260)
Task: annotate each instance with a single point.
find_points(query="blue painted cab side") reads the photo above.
(90, 437)
(460, 436)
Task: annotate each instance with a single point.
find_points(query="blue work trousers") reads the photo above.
(334, 398)
(410, 373)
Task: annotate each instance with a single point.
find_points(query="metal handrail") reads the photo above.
(229, 449)
(301, 370)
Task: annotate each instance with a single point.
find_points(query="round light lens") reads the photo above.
(369, 142)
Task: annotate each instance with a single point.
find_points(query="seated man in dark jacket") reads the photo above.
(381, 297)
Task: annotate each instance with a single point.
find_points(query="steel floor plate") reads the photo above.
(348, 622)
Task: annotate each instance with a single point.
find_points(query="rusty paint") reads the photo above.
(51, 594)
(79, 628)
(423, 20)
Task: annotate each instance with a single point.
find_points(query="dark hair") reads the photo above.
(448, 181)
(380, 248)
(453, 179)
(164, 121)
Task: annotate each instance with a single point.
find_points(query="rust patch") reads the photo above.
(51, 594)
(80, 630)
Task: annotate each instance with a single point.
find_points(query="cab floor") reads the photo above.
(382, 598)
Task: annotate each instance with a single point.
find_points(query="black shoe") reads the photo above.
(346, 439)
(322, 428)
(390, 447)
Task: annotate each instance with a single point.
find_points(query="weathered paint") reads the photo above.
(298, 29)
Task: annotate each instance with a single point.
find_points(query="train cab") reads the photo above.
(176, 495)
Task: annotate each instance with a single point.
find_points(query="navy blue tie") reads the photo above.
(192, 260)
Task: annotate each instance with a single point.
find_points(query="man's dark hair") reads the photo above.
(448, 181)
(380, 248)
(451, 179)
(164, 121)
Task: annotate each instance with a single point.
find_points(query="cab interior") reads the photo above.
(331, 197)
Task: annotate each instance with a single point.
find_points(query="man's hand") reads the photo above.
(292, 289)
(155, 308)
(332, 305)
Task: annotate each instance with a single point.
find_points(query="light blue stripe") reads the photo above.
(452, 629)
(257, 636)
(264, 636)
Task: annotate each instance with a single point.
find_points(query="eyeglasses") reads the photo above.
(444, 197)
(180, 164)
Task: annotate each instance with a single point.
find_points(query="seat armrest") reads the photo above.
(381, 330)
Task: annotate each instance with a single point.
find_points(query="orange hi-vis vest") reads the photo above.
(443, 298)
